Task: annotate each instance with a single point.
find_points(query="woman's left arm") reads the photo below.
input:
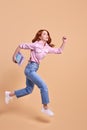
(63, 43)
(58, 50)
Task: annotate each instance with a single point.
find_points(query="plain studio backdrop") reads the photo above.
(65, 74)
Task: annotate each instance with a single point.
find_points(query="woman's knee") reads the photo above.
(29, 90)
(44, 88)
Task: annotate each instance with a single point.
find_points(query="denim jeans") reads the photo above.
(32, 78)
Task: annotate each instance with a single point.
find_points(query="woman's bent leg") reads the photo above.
(25, 91)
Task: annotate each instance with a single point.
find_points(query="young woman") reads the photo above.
(39, 48)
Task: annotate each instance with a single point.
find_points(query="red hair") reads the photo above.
(38, 34)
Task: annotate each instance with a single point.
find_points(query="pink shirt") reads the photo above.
(38, 51)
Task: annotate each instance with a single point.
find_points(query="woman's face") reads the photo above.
(44, 36)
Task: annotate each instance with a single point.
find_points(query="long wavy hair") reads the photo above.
(38, 34)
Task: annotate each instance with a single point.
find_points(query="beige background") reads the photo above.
(66, 74)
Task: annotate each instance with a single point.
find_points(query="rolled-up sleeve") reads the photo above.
(27, 46)
(54, 50)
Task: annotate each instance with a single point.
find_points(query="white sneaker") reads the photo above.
(7, 97)
(47, 111)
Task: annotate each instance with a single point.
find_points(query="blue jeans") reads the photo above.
(32, 78)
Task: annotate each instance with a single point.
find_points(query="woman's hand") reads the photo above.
(16, 51)
(64, 39)
(14, 60)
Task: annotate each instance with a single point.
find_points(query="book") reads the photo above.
(19, 58)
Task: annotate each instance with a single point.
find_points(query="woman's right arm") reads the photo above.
(30, 46)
